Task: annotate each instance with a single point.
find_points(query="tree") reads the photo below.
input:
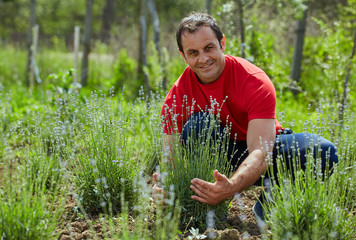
(242, 26)
(108, 18)
(298, 52)
(86, 41)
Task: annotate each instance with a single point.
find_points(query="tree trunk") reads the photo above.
(346, 84)
(242, 27)
(86, 41)
(142, 61)
(298, 52)
(208, 6)
(32, 23)
(155, 20)
(108, 16)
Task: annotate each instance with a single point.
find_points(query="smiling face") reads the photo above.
(203, 53)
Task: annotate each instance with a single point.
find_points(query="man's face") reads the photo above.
(203, 54)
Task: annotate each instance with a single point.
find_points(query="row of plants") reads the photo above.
(102, 149)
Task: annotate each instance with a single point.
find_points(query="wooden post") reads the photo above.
(208, 6)
(157, 31)
(142, 62)
(33, 56)
(32, 23)
(76, 52)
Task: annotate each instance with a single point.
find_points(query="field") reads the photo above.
(78, 166)
(77, 163)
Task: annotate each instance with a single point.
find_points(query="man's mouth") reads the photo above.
(206, 66)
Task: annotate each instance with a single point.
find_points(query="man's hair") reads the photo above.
(193, 23)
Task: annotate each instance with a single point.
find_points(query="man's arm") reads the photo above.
(261, 135)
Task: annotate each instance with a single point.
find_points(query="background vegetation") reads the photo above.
(99, 141)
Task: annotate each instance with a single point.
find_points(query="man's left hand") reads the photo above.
(212, 193)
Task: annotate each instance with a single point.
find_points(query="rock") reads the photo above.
(65, 232)
(78, 236)
(97, 226)
(77, 225)
(75, 230)
(87, 234)
(85, 226)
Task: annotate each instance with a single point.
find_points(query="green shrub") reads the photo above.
(311, 205)
(203, 153)
(107, 163)
(27, 209)
(125, 72)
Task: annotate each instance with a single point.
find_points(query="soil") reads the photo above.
(240, 223)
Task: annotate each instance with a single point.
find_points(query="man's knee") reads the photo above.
(328, 153)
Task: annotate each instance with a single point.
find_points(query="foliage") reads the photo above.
(204, 150)
(62, 83)
(26, 211)
(308, 204)
(125, 74)
(3, 121)
(326, 61)
(12, 68)
(152, 221)
(106, 144)
(106, 161)
(31, 203)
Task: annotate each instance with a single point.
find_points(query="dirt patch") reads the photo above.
(240, 223)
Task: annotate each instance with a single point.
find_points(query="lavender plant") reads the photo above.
(27, 209)
(151, 221)
(309, 204)
(107, 163)
(205, 150)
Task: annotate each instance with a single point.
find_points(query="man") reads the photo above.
(246, 99)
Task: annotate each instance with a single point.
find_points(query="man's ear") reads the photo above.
(223, 43)
(183, 56)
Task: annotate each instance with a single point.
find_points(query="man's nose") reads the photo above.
(203, 57)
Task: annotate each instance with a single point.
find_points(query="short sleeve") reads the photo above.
(260, 97)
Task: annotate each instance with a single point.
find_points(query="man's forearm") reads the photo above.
(249, 171)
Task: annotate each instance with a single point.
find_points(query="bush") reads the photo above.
(107, 163)
(309, 204)
(205, 150)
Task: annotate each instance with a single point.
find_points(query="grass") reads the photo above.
(103, 147)
(31, 203)
(106, 147)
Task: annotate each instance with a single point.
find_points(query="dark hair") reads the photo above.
(193, 23)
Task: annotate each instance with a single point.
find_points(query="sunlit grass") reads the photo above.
(108, 146)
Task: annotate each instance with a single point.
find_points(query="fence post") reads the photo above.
(33, 55)
(76, 52)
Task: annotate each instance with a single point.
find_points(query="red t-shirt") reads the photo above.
(243, 92)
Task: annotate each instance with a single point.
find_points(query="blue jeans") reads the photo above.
(288, 145)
